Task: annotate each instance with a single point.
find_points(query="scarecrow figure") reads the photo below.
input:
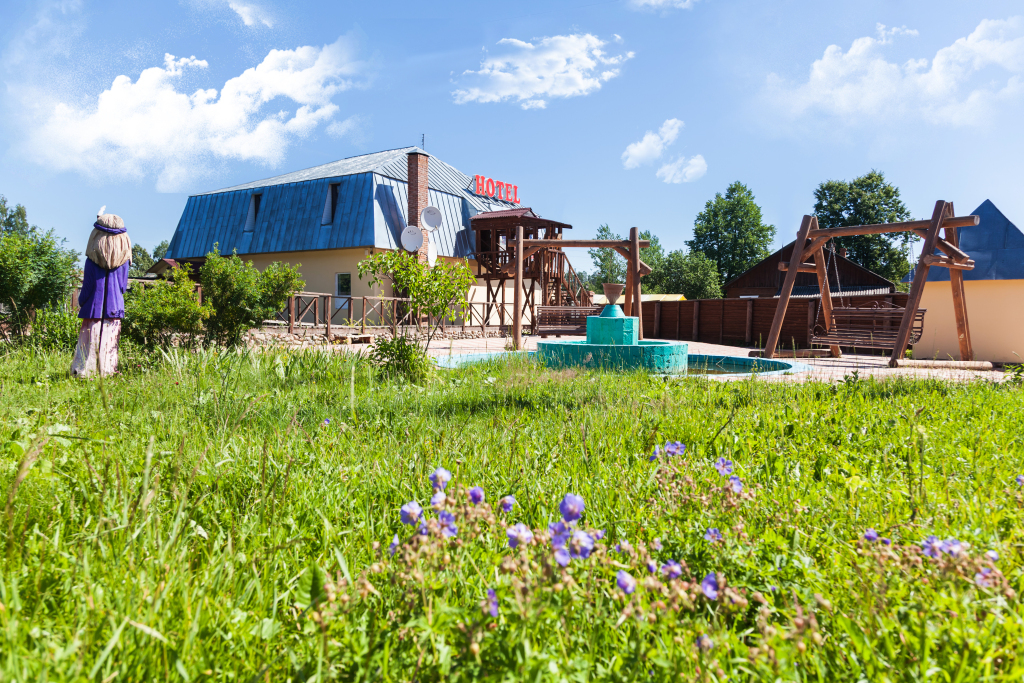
(101, 302)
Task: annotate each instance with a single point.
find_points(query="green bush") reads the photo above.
(155, 312)
(54, 329)
(400, 358)
(241, 296)
(36, 272)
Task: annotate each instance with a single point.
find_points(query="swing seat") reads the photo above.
(867, 328)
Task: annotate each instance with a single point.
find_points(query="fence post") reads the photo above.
(362, 323)
(199, 291)
(696, 319)
(328, 314)
(750, 322)
(657, 318)
(291, 315)
(812, 314)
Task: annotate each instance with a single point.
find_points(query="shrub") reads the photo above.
(241, 296)
(400, 358)
(54, 329)
(36, 272)
(156, 312)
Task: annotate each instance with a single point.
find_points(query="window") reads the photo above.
(330, 204)
(254, 210)
(343, 288)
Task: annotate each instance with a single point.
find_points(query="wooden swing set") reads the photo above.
(871, 328)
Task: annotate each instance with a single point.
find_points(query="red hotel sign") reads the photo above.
(495, 188)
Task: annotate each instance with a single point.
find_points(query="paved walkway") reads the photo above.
(821, 369)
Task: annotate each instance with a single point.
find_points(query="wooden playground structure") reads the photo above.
(875, 327)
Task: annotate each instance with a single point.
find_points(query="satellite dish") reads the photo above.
(431, 218)
(431, 253)
(412, 238)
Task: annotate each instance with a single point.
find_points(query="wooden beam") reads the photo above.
(634, 238)
(956, 281)
(804, 267)
(917, 287)
(877, 229)
(517, 319)
(826, 293)
(587, 244)
(645, 269)
(945, 247)
(787, 290)
(813, 247)
(947, 262)
(627, 304)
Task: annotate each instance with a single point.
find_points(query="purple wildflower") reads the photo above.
(437, 500)
(560, 532)
(1020, 480)
(704, 643)
(992, 555)
(394, 546)
(656, 544)
(623, 547)
(652, 566)
(447, 520)
(981, 578)
(870, 535)
(440, 478)
(672, 570)
(507, 503)
(951, 546)
(709, 586)
(930, 546)
(736, 483)
(599, 534)
(655, 455)
(326, 422)
(674, 448)
(571, 507)
(519, 533)
(581, 545)
(562, 557)
(476, 495)
(491, 606)
(886, 541)
(411, 512)
(724, 467)
(713, 535)
(626, 582)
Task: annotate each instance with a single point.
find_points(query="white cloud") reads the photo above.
(683, 170)
(150, 127)
(250, 14)
(663, 4)
(964, 84)
(531, 73)
(651, 146)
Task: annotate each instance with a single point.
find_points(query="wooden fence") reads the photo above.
(743, 322)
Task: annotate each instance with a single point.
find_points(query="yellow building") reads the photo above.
(993, 290)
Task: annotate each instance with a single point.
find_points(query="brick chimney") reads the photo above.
(418, 198)
(843, 252)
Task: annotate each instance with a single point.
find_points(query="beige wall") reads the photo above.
(995, 313)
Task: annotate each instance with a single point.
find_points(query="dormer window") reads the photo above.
(330, 204)
(254, 211)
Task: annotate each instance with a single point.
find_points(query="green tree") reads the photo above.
(155, 312)
(13, 219)
(141, 261)
(609, 266)
(731, 233)
(867, 200)
(693, 275)
(242, 296)
(160, 250)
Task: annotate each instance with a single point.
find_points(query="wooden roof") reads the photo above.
(852, 276)
(524, 216)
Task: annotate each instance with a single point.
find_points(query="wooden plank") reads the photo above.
(657, 319)
(627, 304)
(517, 320)
(820, 267)
(812, 313)
(956, 281)
(787, 290)
(945, 247)
(645, 269)
(917, 287)
(749, 335)
(804, 267)
(696, 319)
(814, 245)
(947, 262)
(587, 244)
(634, 238)
(880, 228)
(679, 315)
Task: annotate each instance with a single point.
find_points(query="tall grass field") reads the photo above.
(222, 516)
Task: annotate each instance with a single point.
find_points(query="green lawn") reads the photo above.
(198, 519)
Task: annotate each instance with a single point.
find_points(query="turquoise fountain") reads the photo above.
(613, 343)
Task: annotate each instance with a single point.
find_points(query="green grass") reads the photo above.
(194, 519)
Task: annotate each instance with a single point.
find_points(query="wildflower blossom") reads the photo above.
(507, 503)
(709, 586)
(447, 520)
(581, 545)
(440, 478)
(560, 532)
(571, 507)
(724, 467)
(656, 544)
(674, 448)
(992, 555)
(394, 546)
(626, 582)
(476, 495)
(411, 512)
(1020, 480)
(491, 604)
(326, 422)
(599, 534)
(713, 535)
(704, 643)
(655, 455)
(562, 557)
(951, 546)
(981, 578)
(870, 535)
(930, 546)
(437, 500)
(519, 533)
(736, 483)
(623, 547)
(671, 569)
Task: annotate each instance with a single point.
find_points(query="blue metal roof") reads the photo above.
(995, 244)
(371, 210)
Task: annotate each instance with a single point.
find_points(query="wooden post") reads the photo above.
(721, 322)
(316, 313)
(634, 267)
(394, 315)
(362, 322)
(917, 287)
(679, 314)
(787, 289)
(328, 314)
(696, 319)
(657, 318)
(812, 313)
(826, 293)
(956, 281)
(199, 292)
(517, 319)
(749, 336)
(627, 304)
(291, 315)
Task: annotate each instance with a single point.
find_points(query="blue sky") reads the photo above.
(626, 112)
